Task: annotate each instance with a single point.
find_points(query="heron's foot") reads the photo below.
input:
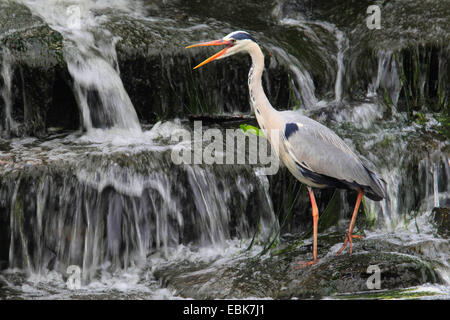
(304, 264)
(348, 239)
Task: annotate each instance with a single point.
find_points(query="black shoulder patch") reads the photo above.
(290, 129)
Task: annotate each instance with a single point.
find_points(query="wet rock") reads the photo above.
(405, 60)
(157, 71)
(125, 204)
(41, 93)
(409, 53)
(441, 219)
(277, 275)
(349, 275)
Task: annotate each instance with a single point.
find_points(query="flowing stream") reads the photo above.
(109, 199)
(89, 50)
(8, 124)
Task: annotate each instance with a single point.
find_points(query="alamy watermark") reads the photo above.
(211, 146)
(373, 21)
(74, 280)
(374, 280)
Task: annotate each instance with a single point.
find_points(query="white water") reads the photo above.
(306, 85)
(132, 283)
(394, 211)
(399, 211)
(89, 50)
(212, 202)
(7, 125)
(341, 45)
(388, 77)
(210, 199)
(148, 194)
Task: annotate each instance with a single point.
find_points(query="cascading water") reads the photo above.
(297, 19)
(7, 125)
(341, 44)
(411, 211)
(387, 78)
(305, 83)
(78, 210)
(135, 224)
(89, 50)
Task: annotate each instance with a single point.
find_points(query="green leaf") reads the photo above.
(251, 129)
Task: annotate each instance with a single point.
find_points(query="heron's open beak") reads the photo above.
(221, 42)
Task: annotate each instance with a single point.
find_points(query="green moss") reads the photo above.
(329, 218)
(389, 295)
(444, 120)
(387, 98)
(371, 216)
(420, 119)
(288, 249)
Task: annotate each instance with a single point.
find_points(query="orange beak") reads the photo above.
(221, 42)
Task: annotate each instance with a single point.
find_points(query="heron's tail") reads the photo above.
(377, 190)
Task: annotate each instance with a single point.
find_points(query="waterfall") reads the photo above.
(113, 203)
(341, 43)
(7, 123)
(110, 208)
(89, 50)
(342, 46)
(388, 77)
(400, 169)
(302, 77)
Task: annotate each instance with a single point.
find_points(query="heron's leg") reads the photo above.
(350, 236)
(315, 214)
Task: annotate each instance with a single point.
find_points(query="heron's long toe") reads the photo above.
(348, 239)
(304, 264)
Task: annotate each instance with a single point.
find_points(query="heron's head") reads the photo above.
(234, 42)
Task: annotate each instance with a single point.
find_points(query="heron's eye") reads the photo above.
(233, 40)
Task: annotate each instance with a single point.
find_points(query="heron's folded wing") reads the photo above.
(319, 150)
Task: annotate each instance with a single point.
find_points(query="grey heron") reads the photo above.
(313, 153)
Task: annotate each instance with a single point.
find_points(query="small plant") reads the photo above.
(251, 129)
(444, 127)
(420, 119)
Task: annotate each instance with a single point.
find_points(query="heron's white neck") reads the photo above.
(266, 115)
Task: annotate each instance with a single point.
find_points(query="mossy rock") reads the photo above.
(277, 275)
(441, 220)
(41, 93)
(345, 275)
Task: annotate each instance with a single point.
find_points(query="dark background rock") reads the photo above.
(157, 70)
(42, 95)
(157, 73)
(277, 275)
(441, 218)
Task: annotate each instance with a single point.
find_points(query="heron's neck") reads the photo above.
(260, 104)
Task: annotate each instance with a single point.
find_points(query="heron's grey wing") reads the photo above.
(324, 157)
